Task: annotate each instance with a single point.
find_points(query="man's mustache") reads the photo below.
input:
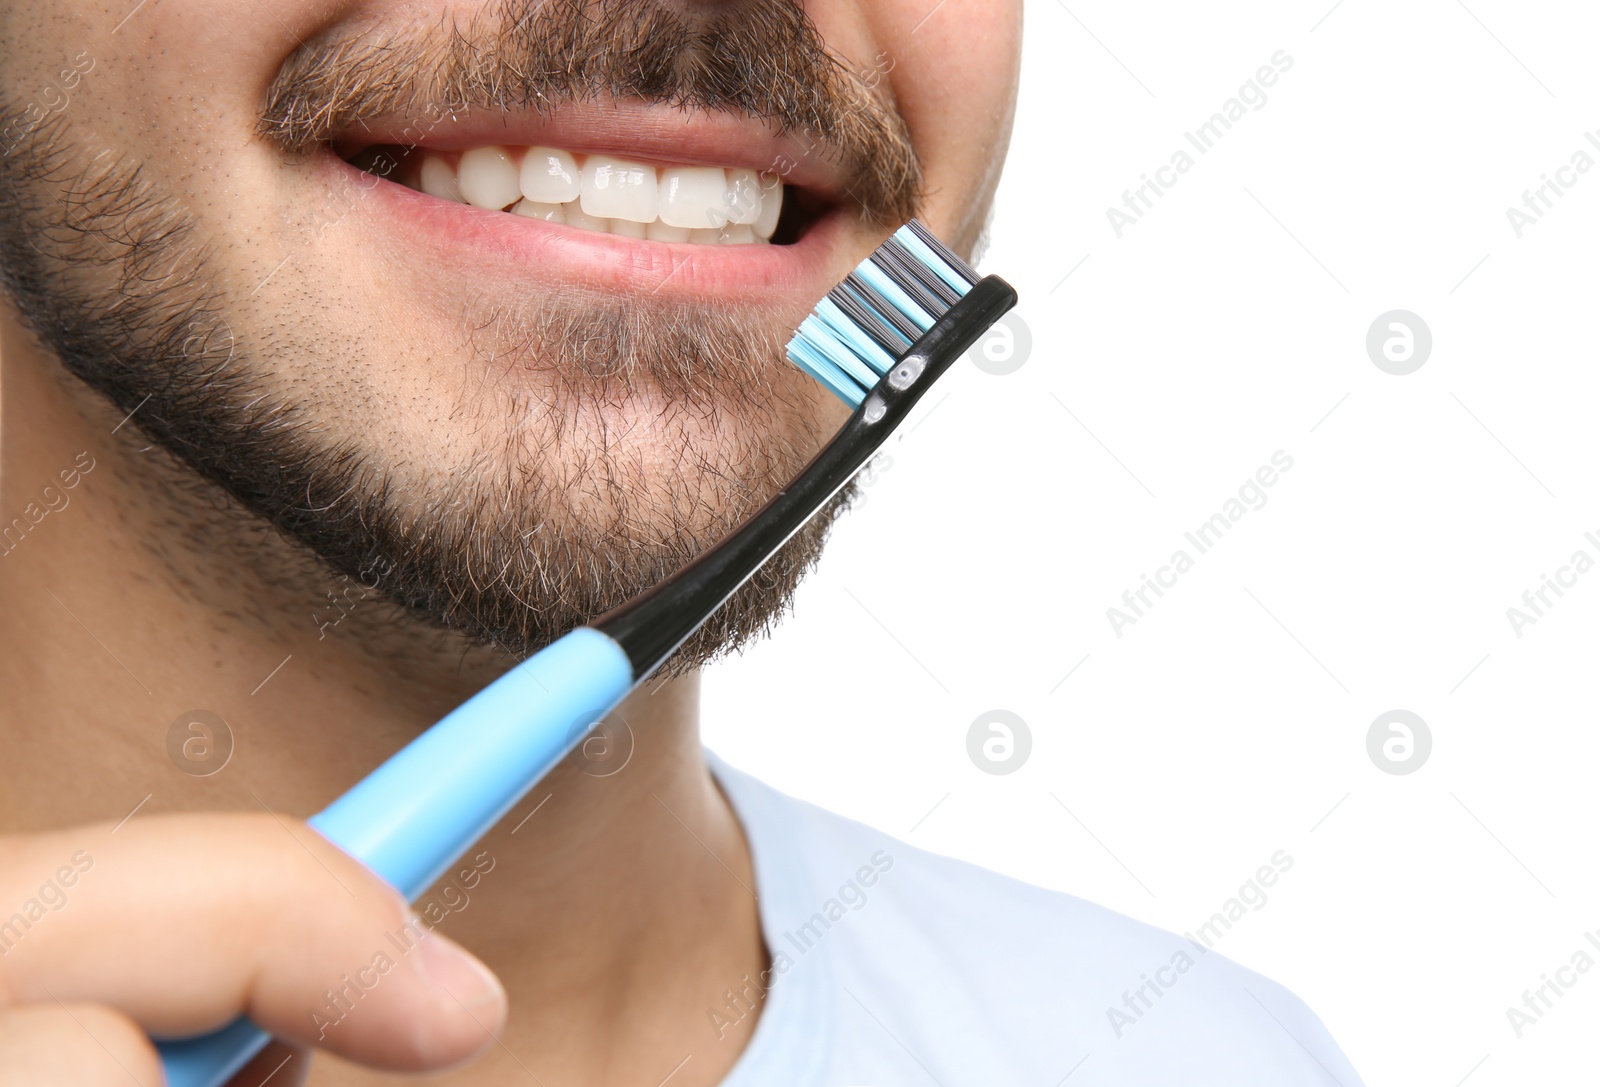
(762, 59)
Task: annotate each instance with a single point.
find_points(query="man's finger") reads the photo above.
(184, 922)
(87, 1045)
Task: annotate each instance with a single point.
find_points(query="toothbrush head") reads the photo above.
(866, 324)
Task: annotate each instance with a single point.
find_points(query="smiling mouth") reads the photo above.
(606, 194)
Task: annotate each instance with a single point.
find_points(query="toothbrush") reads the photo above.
(877, 341)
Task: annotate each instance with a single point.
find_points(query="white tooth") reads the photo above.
(550, 213)
(627, 228)
(708, 236)
(658, 231)
(439, 179)
(549, 175)
(618, 189)
(744, 196)
(738, 234)
(771, 207)
(694, 197)
(596, 223)
(488, 178)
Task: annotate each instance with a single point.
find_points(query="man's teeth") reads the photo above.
(549, 176)
(698, 204)
(617, 189)
(694, 197)
(487, 177)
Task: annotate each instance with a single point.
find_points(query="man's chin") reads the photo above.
(516, 582)
(569, 483)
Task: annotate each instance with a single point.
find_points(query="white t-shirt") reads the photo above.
(894, 966)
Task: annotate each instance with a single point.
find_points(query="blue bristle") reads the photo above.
(815, 332)
(863, 345)
(927, 256)
(846, 357)
(812, 361)
(880, 282)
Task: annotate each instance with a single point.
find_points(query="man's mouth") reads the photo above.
(684, 206)
(606, 194)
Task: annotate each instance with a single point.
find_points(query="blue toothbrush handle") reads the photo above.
(414, 816)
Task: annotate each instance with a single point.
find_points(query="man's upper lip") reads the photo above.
(662, 134)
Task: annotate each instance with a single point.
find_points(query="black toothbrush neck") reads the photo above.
(650, 627)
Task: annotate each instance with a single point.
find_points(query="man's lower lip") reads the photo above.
(509, 247)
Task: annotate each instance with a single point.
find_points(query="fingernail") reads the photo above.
(450, 967)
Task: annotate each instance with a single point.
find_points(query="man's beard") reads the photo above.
(553, 523)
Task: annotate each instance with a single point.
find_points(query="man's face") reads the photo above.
(289, 234)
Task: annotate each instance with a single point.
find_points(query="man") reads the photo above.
(351, 351)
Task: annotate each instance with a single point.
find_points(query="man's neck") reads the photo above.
(617, 901)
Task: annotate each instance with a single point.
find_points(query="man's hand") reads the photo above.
(177, 924)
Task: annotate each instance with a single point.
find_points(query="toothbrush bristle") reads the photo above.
(857, 333)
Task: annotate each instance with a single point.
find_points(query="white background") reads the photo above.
(1231, 720)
